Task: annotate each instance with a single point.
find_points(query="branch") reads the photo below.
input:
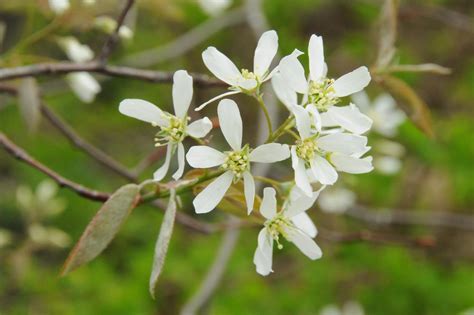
(215, 273)
(377, 238)
(185, 42)
(22, 155)
(59, 68)
(85, 146)
(112, 40)
(404, 217)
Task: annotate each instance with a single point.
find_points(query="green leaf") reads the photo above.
(103, 227)
(161, 247)
(29, 103)
(416, 109)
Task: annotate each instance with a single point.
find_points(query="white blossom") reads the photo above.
(291, 222)
(349, 308)
(214, 7)
(336, 200)
(108, 25)
(83, 84)
(242, 81)
(383, 111)
(234, 163)
(323, 154)
(59, 6)
(173, 128)
(319, 91)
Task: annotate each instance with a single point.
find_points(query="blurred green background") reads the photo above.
(437, 174)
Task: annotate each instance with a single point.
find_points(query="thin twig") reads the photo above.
(215, 273)
(97, 154)
(59, 68)
(22, 155)
(405, 217)
(185, 42)
(112, 40)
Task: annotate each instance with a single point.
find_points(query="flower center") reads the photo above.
(174, 132)
(322, 94)
(237, 162)
(306, 149)
(249, 75)
(277, 226)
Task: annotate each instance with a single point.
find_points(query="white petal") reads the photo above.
(323, 171)
(179, 172)
(387, 165)
(316, 58)
(218, 97)
(342, 142)
(299, 201)
(210, 197)
(161, 172)
(246, 84)
(202, 156)
(304, 243)
(143, 110)
(336, 200)
(59, 6)
(350, 118)
(353, 165)
(315, 116)
(292, 70)
(182, 92)
(303, 121)
(221, 66)
(361, 99)
(84, 85)
(268, 207)
(303, 222)
(231, 123)
(352, 82)
(264, 253)
(285, 94)
(199, 128)
(249, 191)
(266, 50)
(301, 178)
(270, 153)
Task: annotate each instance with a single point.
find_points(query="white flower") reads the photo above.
(383, 111)
(59, 6)
(84, 85)
(242, 81)
(319, 91)
(107, 25)
(291, 222)
(324, 154)
(388, 156)
(235, 163)
(214, 7)
(336, 200)
(74, 50)
(173, 128)
(349, 308)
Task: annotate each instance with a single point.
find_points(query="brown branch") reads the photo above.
(22, 155)
(85, 146)
(112, 40)
(376, 238)
(59, 68)
(405, 217)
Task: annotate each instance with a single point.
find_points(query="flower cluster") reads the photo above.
(328, 139)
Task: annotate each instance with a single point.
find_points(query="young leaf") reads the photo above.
(103, 227)
(415, 108)
(161, 247)
(29, 103)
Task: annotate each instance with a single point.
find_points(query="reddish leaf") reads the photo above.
(103, 227)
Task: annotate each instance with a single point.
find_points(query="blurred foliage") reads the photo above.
(437, 173)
